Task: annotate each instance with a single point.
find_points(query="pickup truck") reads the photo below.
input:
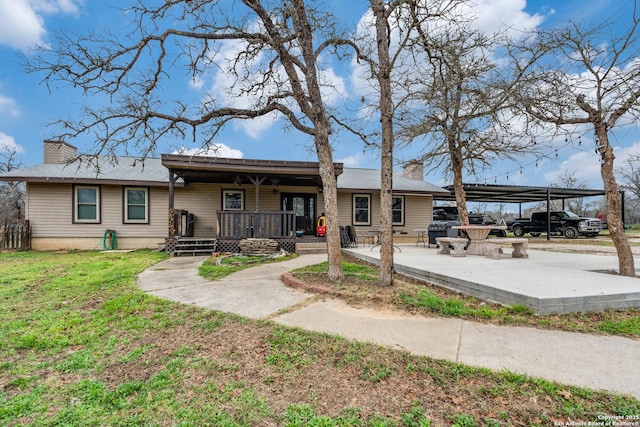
(563, 223)
(450, 213)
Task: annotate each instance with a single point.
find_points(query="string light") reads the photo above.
(537, 160)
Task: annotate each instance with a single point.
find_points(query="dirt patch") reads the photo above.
(340, 375)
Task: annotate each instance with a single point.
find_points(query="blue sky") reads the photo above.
(27, 106)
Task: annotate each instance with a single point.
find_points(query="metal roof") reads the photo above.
(369, 179)
(106, 170)
(155, 172)
(518, 193)
(229, 170)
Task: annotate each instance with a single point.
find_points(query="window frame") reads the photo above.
(354, 207)
(224, 199)
(76, 205)
(125, 205)
(402, 209)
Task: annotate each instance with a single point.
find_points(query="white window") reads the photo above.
(362, 209)
(86, 204)
(233, 200)
(397, 210)
(136, 205)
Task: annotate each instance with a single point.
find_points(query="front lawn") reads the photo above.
(81, 345)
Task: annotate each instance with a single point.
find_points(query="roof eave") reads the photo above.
(92, 181)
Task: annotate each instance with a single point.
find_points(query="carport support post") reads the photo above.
(548, 214)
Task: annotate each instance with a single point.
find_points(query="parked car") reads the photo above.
(563, 223)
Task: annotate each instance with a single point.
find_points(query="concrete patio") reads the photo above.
(546, 282)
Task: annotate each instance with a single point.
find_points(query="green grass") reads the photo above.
(81, 345)
(424, 298)
(417, 297)
(214, 269)
(621, 327)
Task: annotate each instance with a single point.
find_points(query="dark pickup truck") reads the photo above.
(450, 214)
(563, 223)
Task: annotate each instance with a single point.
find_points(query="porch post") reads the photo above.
(257, 181)
(172, 219)
(172, 178)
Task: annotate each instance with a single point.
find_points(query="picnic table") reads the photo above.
(477, 236)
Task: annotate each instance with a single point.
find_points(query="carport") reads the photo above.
(494, 193)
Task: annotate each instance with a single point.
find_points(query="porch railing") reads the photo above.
(16, 236)
(263, 224)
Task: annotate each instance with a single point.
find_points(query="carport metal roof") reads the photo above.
(517, 193)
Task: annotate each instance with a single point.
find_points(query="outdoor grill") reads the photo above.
(441, 229)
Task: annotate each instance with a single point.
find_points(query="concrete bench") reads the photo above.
(455, 246)
(493, 247)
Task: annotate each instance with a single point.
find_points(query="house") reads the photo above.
(73, 205)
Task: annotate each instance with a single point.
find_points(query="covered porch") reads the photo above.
(246, 199)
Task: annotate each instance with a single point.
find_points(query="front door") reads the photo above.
(304, 208)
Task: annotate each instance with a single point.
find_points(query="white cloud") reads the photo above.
(239, 84)
(584, 166)
(488, 16)
(493, 15)
(8, 106)
(217, 150)
(55, 6)
(22, 22)
(356, 160)
(8, 142)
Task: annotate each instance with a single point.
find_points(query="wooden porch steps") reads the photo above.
(194, 246)
(311, 248)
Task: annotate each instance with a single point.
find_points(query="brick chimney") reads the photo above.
(413, 169)
(58, 152)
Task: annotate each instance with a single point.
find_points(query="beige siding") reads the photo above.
(204, 200)
(50, 211)
(417, 212)
(90, 243)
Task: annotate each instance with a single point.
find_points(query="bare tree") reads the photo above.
(456, 104)
(274, 68)
(395, 24)
(595, 82)
(11, 193)
(630, 174)
(382, 13)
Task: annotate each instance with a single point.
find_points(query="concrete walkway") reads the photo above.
(597, 362)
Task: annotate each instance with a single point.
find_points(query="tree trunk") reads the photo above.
(458, 187)
(330, 195)
(626, 262)
(386, 165)
(314, 109)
